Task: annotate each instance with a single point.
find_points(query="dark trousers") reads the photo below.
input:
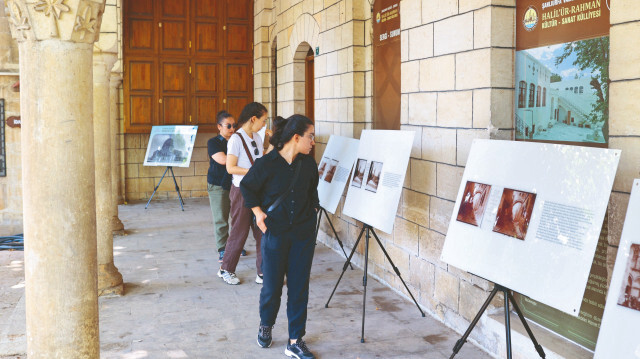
(241, 222)
(290, 253)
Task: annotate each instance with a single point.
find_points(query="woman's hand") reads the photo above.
(260, 217)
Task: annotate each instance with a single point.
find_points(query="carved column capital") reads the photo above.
(69, 20)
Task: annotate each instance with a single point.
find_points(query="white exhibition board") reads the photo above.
(334, 168)
(376, 184)
(170, 146)
(528, 217)
(619, 331)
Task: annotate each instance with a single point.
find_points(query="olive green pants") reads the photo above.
(220, 205)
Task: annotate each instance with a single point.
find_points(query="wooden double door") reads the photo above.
(185, 60)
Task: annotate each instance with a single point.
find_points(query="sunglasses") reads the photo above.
(255, 150)
(229, 126)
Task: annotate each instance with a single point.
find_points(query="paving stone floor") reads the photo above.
(176, 307)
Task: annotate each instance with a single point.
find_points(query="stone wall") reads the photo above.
(11, 185)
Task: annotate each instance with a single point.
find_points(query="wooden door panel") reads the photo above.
(206, 77)
(141, 110)
(140, 75)
(174, 76)
(206, 38)
(141, 35)
(174, 37)
(174, 110)
(237, 77)
(136, 8)
(206, 109)
(206, 9)
(239, 9)
(173, 8)
(238, 39)
(235, 104)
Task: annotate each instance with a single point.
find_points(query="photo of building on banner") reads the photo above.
(562, 71)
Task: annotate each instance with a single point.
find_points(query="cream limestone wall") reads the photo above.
(11, 185)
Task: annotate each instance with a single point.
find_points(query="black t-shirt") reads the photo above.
(269, 177)
(218, 174)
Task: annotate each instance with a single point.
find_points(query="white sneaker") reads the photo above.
(259, 279)
(228, 277)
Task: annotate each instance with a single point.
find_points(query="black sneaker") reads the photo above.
(264, 336)
(298, 350)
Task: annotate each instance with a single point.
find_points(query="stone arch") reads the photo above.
(306, 29)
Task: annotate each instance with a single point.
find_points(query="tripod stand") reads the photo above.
(507, 298)
(322, 210)
(369, 230)
(169, 168)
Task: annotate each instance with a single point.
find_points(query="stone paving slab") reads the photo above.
(176, 307)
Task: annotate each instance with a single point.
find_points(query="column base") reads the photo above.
(109, 280)
(116, 226)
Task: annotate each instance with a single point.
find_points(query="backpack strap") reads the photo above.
(246, 148)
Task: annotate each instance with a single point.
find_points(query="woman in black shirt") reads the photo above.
(281, 190)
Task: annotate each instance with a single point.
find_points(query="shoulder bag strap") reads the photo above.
(246, 148)
(284, 194)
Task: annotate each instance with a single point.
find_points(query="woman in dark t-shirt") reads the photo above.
(219, 180)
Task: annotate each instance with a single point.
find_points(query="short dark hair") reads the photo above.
(221, 116)
(251, 109)
(285, 129)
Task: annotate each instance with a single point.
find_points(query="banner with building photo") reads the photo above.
(170, 146)
(334, 168)
(562, 71)
(619, 331)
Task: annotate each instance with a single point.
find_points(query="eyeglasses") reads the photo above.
(229, 126)
(312, 137)
(255, 150)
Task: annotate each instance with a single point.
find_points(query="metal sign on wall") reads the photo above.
(562, 96)
(386, 64)
(3, 152)
(562, 71)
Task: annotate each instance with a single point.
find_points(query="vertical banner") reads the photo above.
(386, 64)
(562, 71)
(562, 96)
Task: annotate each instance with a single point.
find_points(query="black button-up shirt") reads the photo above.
(269, 177)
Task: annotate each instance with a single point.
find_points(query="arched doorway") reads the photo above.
(303, 82)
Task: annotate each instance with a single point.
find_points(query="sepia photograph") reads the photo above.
(474, 202)
(331, 170)
(323, 166)
(373, 179)
(358, 173)
(514, 213)
(630, 291)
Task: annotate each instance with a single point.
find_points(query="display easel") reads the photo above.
(508, 297)
(369, 230)
(322, 210)
(169, 168)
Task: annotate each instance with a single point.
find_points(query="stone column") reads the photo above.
(116, 224)
(109, 279)
(56, 101)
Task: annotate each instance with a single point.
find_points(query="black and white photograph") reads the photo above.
(358, 173)
(373, 179)
(170, 146)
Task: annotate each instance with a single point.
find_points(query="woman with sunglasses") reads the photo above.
(219, 180)
(281, 190)
(244, 147)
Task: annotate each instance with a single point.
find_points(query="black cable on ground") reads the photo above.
(12, 243)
